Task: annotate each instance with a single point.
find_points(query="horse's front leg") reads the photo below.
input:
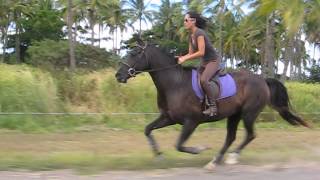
(232, 125)
(188, 128)
(160, 122)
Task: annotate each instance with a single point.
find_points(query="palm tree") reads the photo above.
(93, 8)
(22, 10)
(168, 19)
(294, 15)
(72, 10)
(312, 24)
(5, 19)
(269, 51)
(138, 11)
(115, 18)
(70, 38)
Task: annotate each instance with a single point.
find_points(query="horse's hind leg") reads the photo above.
(160, 122)
(248, 121)
(188, 127)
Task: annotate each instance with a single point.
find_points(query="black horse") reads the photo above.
(178, 103)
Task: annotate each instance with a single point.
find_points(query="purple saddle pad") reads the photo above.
(227, 86)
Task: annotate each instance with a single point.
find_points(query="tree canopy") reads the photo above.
(255, 34)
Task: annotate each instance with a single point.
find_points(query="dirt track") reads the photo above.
(292, 171)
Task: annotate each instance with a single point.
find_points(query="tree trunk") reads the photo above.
(70, 38)
(269, 48)
(17, 39)
(117, 40)
(113, 41)
(4, 49)
(17, 47)
(232, 56)
(92, 23)
(100, 27)
(291, 77)
(140, 19)
(220, 15)
(288, 56)
(4, 31)
(300, 52)
(75, 32)
(92, 35)
(300, 71)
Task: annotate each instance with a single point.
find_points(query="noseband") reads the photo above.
(132, 72)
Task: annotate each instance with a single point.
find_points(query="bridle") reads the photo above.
(132, 72)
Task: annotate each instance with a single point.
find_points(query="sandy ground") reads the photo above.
(292, 171)
(303, 145)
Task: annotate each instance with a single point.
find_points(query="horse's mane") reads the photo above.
(170, 53)
(164, 50)
(189, 68)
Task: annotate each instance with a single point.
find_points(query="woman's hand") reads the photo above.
(181, 59)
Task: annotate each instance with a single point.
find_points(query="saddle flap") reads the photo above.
(226, 83)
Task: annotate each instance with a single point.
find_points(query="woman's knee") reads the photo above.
(204, 80)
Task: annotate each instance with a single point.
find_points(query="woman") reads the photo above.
(200, 47)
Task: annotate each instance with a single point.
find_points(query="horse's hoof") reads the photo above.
(203, 148)
(210, 166)
(159, 157)
(232, 158)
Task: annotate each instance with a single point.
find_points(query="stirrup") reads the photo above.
(211, 111)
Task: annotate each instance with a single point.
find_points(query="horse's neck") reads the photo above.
(169, 79)
(166, 78)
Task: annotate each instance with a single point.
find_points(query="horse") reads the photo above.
(178, 103)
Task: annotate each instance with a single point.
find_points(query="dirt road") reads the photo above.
(292, 171)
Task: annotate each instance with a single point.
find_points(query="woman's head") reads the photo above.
(194, 19)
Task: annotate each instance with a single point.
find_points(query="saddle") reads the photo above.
(222, 80)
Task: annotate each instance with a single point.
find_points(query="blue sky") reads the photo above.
(129, 33)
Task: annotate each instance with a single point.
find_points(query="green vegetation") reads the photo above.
(90, 152)
(52, 75)
(54, 56)
(27, 89)
(256, 34)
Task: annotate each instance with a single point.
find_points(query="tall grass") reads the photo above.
(138, 95)
(26, 89)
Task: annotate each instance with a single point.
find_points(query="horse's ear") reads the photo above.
(138, 40)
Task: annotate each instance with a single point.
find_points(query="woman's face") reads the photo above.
(188, 22)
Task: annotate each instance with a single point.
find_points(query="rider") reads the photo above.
(200, 47)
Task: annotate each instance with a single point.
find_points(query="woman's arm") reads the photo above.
(190, 49)
(199, 53)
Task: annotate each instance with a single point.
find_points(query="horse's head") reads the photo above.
(135, 63)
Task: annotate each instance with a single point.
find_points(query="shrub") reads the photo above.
(54, 55)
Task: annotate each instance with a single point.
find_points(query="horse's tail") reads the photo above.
(279, 100)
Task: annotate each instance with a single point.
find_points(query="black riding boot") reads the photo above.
(212, 92)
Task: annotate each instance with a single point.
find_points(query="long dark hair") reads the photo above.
(201, 22)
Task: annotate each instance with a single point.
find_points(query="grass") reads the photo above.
(79, 123)
(25, 89)
(28, 89)
(95, 143)
(109, 149)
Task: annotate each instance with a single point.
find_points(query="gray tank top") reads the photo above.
(210, 54)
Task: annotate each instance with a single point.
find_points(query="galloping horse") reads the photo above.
(178, 103)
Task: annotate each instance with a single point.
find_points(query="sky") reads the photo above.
(128, 34)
